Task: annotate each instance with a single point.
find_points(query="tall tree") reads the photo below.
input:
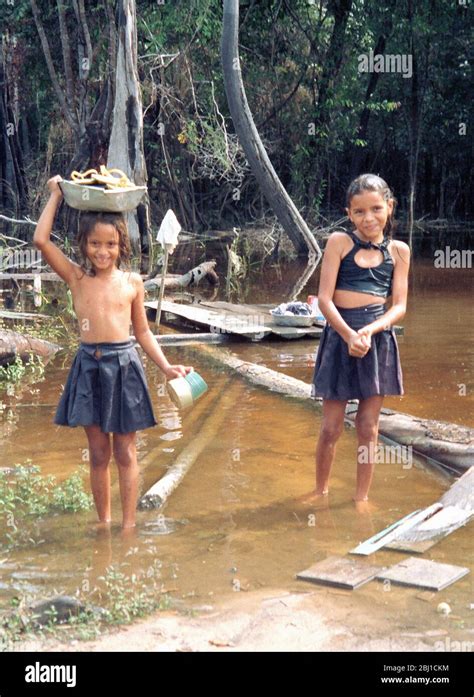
(284, 208)
(126, 138)
(89, 123)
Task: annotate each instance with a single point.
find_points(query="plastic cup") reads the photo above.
(185, 391)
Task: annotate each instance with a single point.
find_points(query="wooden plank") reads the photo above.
(461, 493)
(411, 546)
(45, 276)
(192, 339)
(254, 326)
(10, 314)
(340, 572)
(426, 534)
(423, 573)
(263, 311)
(388, 535)
(214, 320)
(457, 511)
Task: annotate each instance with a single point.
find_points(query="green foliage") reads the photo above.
(26, 494)
(128, 596)
(295, 73)
(12, 373)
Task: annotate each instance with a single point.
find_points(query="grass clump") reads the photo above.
(26, 495)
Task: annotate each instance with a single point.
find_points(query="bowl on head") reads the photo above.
(94, 198)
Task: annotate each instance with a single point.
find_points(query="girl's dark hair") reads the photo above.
(372, 182)
(87, 222)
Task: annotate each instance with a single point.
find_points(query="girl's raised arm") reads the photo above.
(58, 261)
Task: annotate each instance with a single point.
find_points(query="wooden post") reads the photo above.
(162, 289)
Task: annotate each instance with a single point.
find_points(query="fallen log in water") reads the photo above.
(192, 277)
(157, 495)
(448, 445)
(13, 344)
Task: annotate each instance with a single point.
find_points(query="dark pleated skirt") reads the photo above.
(337, 375)
(106, 386)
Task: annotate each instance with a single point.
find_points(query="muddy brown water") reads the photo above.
(234, 524)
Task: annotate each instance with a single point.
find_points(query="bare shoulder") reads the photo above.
(78, 272)
(338, 240)
(400, 250)
(135, 280)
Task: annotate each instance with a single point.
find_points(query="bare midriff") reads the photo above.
(103, 307)
(350, 298)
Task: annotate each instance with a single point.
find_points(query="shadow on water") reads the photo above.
(235, 523)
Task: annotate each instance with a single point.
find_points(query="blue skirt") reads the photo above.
(337, 375)
(106, 386)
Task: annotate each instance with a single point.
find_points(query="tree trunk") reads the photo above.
(284, 208)
(13, 190)
(326, 86)
(359, 153)
(126, 140)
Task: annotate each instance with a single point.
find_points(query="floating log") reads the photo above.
(448, 445)
(157, 495)
(14, 344)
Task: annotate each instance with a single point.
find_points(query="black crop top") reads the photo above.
(375, 280)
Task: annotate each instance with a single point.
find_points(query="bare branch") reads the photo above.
(68, 114)
(64, 36)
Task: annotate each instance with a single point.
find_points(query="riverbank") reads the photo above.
(319, 619)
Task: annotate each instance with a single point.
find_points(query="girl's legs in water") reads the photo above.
(99, 456)
(331, 429)
(367, 426)
(125, 454)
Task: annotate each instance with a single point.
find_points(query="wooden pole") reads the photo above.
(162, 289)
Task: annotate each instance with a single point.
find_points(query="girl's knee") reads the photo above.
(366, 428)
(99, 456)
(331, 431)
(124, 451)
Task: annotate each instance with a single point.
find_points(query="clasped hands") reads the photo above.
(359, 343)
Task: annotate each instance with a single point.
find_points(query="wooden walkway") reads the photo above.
(250, 321)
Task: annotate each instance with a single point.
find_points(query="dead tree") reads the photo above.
(284, 208)
(126, 139)
(90, 125)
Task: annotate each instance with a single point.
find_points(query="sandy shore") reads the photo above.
(277, 620)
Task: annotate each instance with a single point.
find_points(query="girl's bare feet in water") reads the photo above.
(314, 497)
(128, 530)
(364, 505)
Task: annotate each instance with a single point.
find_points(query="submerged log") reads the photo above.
(448, 445)
(13, 344)
(157, 495)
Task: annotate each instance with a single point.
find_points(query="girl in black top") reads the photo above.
(358, 354)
